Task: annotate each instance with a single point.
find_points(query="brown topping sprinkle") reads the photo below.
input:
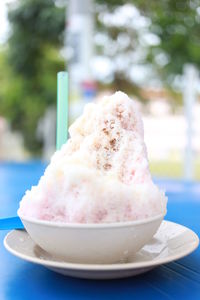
(119, 115)
(105, 131)
(107, 166)
(113, 142)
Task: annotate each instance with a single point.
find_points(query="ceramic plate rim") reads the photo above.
(105, 267)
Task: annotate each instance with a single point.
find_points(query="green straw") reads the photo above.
(62, 109)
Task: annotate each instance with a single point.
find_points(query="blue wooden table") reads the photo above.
(22, 280)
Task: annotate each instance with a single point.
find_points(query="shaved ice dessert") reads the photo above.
(101, 174)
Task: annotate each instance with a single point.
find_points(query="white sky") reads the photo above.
(4, 25)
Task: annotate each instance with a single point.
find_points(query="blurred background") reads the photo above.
(148, 49)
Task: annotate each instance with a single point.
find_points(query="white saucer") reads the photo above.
(171, 242)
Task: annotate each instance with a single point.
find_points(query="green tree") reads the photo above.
(177, 25)
(31, 61)
(120, 42)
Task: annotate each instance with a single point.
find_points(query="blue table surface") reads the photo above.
(24, 280)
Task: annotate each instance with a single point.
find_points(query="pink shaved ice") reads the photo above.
(101, 174)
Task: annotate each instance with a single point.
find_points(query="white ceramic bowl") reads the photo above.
(92, 243)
